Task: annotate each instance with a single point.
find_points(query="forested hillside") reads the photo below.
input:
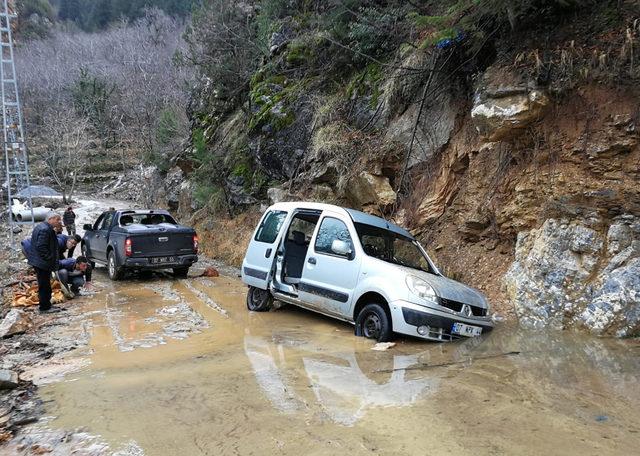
(37, 17)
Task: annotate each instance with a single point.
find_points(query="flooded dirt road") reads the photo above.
(182, 368)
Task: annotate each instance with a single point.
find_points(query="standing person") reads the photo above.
(69, 219)
(43, 256)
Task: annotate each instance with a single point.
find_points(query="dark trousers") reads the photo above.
(44, 288)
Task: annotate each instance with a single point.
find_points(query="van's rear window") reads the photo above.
(270, 226)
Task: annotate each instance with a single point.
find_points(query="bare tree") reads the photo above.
(64, 154)
(133, 61)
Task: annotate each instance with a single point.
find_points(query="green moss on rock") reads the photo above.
(367, 83)
(273, 98)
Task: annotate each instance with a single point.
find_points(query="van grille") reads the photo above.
(457, 307)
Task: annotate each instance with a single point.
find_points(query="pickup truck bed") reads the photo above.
(140, 240)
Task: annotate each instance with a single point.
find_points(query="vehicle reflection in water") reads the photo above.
(340, 385)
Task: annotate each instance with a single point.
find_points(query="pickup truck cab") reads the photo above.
(358, 268)
(140, 240)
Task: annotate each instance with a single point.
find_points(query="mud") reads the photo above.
(181, 367)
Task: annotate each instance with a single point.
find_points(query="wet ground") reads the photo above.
(180, 367)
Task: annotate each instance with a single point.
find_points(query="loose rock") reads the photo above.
(8, 379)
(16, 322)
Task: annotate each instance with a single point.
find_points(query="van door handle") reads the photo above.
(267, 254)
(311, 260)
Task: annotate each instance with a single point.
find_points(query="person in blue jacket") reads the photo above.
(66, 244)
(43, 256)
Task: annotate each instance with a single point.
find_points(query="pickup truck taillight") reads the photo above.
(128, 250)
(195, 243)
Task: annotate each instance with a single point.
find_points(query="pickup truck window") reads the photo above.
(96, 226)
(330, 230)
(270, 226)
(106, 221)
(145, 219)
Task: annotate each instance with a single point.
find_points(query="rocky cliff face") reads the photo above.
(570, 274)
(522, 179)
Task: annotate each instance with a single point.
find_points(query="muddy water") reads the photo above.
(181, 367)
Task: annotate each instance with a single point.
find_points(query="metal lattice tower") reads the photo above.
(15, 148)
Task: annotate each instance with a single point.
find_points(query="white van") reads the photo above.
(358, 268)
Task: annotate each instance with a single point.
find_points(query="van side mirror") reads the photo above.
(340, 247)
(87, 227)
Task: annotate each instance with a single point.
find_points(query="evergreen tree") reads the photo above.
(70, 10)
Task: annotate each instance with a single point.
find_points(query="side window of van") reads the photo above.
(270, 226)
(330, 230)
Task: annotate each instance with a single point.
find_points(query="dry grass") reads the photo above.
(227, 239)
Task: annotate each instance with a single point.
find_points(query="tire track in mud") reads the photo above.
(178, 320)
(204, 298)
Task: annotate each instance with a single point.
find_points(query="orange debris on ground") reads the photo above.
(210, 272)
(25, 295)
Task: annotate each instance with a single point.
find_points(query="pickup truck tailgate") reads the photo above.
(161, 244)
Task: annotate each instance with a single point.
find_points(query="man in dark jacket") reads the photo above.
(75, 273)
(43, 256)
(69, 219)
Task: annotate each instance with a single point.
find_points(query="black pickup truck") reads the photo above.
(140, 240)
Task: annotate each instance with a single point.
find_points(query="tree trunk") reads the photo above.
(511, 15)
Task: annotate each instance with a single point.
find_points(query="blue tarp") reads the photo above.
(448, 42)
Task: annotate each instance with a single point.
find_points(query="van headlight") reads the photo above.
(420, 288)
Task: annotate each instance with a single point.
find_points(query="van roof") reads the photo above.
(356, 216)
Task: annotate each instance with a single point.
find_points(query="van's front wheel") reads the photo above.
(259, 300)
(373, 323)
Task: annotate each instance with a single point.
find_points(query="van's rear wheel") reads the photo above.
(259, 300)
(373, 323)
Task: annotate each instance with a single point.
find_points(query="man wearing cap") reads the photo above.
(43, 256)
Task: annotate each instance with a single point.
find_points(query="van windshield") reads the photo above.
(391, 247)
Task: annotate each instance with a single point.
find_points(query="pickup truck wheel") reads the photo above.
(373, 323)
(83, 249)
(259, 300)
(115, 271)
(180, 272)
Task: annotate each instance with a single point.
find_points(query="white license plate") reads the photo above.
(163, 260)
(466, 330)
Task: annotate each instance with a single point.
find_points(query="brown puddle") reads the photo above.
(181, 367)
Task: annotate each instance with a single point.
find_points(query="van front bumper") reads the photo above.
(408, 317)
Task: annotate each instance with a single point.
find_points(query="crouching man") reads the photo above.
(75, 273)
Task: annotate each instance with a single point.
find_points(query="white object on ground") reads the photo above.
(382, 346)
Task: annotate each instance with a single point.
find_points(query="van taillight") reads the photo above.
(195, 243)
(128, 250)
